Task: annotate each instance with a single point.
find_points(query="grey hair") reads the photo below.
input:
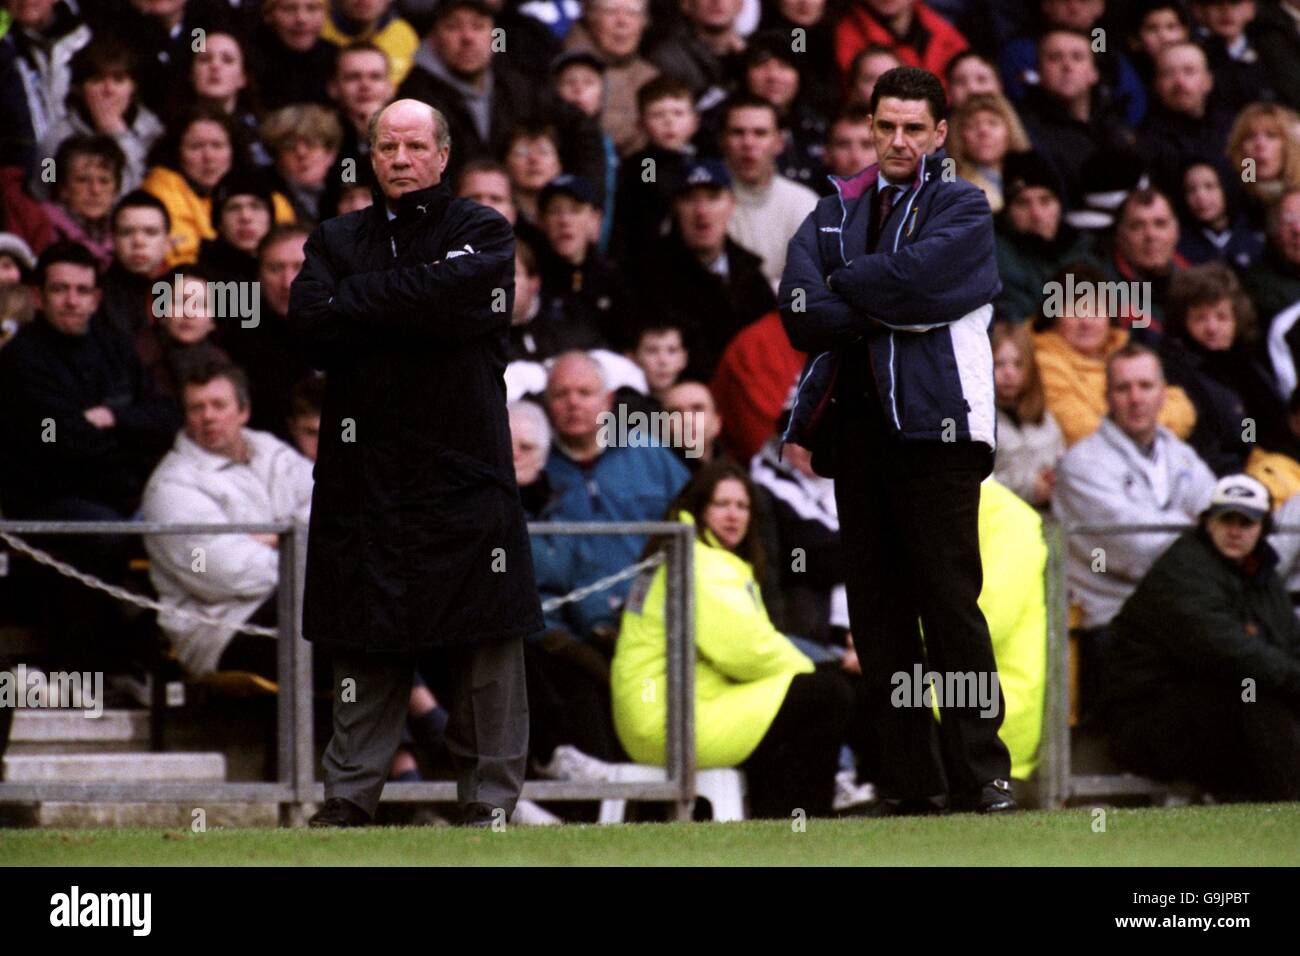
(586, 357)
(532, 414)
(441, 132)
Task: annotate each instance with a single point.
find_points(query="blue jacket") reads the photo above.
(624, 484)
(921, 305)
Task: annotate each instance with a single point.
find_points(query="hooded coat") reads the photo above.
(418, 538)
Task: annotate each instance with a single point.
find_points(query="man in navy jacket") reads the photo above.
(889, 287)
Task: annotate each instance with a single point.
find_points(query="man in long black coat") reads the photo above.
(418, 539)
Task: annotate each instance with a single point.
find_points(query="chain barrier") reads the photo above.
(148, 604)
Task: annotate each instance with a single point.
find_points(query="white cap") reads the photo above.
(1242, 494)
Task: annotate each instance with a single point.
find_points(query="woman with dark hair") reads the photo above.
(103, 98)
(760, 704)
(1207, 350)
(1202, 670)
(220, 76)
(1213, 227)
(201, 146)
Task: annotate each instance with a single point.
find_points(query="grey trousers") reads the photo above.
(487, 733)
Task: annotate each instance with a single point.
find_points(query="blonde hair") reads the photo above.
(1031, 403)
(308, 121)
(1283, 121)
(1017, 139)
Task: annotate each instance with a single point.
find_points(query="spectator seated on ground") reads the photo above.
(1131, 471)
(1029, 440)
(1073, 350)
(1203, 667)
(1208, 351)
(221, 472)
(760, 704)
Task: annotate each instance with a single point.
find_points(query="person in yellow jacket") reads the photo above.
(759, 702)
(1072, 356)
(373, 21)
(202, 146)
(1014, 602)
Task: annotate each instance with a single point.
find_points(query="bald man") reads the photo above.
(418, 539)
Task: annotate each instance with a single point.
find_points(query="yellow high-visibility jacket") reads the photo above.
(743, 664)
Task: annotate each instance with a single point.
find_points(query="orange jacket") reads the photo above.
(859, 28)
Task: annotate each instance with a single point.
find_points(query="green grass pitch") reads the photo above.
(1236, 835)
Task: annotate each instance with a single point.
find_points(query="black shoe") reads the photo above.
(479, 815)
(338, 812)
(993, 797)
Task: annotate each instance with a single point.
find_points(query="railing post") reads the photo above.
(1058, 675)
(286, 672)
(304, 736)
(686, 588)
(1049, 766)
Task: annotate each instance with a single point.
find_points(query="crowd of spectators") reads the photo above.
(1141, 162)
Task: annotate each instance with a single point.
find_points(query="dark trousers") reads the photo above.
(487, 732)
(909, 523)
(569, 700)
(793, 766)
(1205, 733)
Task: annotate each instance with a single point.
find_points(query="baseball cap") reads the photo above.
(703, 172)
(566, 184)
(1242, 494)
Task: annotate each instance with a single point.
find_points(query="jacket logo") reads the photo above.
(829, 229)
(468, 250)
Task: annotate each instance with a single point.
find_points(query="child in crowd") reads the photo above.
(1029, 439)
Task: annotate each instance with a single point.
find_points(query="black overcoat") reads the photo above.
(417, 536)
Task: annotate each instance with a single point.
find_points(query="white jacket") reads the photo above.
(1104, 479)
(233, 573)
(1024, 450)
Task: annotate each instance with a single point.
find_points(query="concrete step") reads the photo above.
(38, 726)
(176, 815)
(125, 767)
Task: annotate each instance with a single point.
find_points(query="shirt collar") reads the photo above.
(206, 460)
(883, 182)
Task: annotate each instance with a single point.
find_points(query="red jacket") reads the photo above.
(752, 384)
(931, 43)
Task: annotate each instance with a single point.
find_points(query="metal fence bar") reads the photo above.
(686, 658)
(296, 784)
(1063, 783)
(304, 722)
(286, 701)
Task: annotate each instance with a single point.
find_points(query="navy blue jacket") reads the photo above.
(921, 304)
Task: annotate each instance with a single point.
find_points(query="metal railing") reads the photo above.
(296, 785)
(1057, 781)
